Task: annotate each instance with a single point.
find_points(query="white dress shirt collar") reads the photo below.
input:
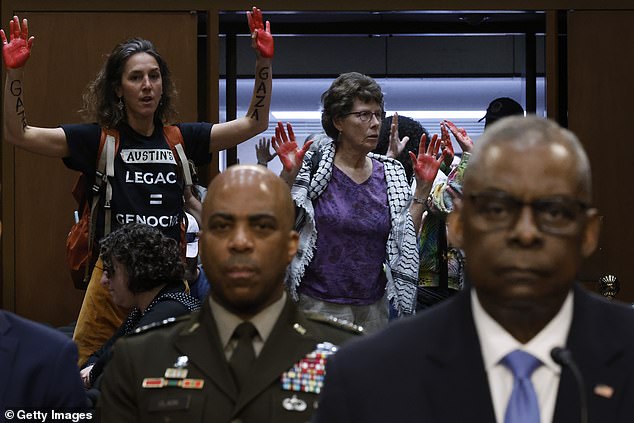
(496, 342)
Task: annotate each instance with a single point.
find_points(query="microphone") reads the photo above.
(563, 357)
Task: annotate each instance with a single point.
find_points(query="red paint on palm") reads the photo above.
(18, 50)
(426, 164)
(465, 141)
(286, 147)
(262, 37)
(445, 144)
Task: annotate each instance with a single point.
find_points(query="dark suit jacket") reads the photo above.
(429, 368)
(38, 366)
(145, 355)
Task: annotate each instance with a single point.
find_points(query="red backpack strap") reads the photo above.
(174, 139)
(173, 135)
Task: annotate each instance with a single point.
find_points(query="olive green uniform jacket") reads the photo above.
(148, 355)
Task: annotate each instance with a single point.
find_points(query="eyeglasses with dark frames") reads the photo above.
(558, 215)
(107, 269)
(366, 115)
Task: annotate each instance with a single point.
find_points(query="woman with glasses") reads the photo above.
(143, 272)
(357, 240)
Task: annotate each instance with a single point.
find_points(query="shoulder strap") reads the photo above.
(174, 139)
(108, 145)
(336, 322)
(111, 147)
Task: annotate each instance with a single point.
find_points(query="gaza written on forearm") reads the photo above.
(46, 141)
(229, 134)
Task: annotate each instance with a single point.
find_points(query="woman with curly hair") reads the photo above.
(133, 93)
(143, 271)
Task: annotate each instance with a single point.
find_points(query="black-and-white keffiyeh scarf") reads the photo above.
(401, 264)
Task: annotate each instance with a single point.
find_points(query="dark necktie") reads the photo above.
(522, 406)
(243, 355)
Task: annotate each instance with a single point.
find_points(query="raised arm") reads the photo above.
(396, 145)
(426, 166)
(16, 52)
(229, 134)
(263, 152)
(286, 148)
(466, 144)
(447, 148)
(444, 194)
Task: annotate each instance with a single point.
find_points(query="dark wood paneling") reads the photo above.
(68, 50)
(600, 87)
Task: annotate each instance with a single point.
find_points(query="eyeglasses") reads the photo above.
(558, 215)
(366, 115)
(107, 269)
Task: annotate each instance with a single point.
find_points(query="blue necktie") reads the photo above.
(522, 406)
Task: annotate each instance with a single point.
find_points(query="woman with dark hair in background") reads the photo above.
(399, 135)
(357, 238)
(133, 94)
(143, 272)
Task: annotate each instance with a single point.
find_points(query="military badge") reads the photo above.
(175, 376)
(179, 371)
(161, 382)
(294, 404)
(308, 374)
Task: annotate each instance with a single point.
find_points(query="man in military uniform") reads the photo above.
(250, 355)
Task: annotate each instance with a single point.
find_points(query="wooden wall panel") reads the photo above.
(68, 50)
(600, 86)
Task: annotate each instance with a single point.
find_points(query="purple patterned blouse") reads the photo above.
(353, 224)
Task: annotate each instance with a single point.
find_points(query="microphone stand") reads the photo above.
(563, 357)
